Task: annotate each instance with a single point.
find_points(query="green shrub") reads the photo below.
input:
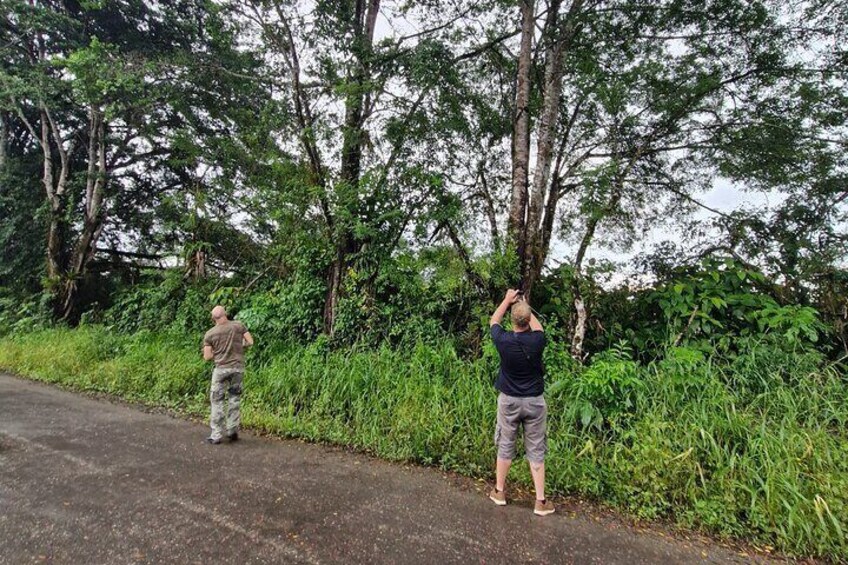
(23, 315)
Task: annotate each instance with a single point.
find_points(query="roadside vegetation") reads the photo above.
(741, 435)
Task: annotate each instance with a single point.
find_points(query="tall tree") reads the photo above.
(637, 123)
(371, 181)
(98, 88)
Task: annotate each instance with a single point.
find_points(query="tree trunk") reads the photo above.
(516, 226)
(4, 141)
(196, 265)
(489, 206)
(591, 226)
(352, 143)
(55, 244)
(542, 203)
(64, 269)
(470, 271)
(94, 193)
(579, 325)
(547, 228)
(579, 333)
(559, 37)
(95, 187)
(544, 145)
(334, 287)
(54, 240)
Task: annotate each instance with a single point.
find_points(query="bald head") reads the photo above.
(521, 315)
(219, 314)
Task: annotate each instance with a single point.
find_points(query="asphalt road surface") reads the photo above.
(86, 481)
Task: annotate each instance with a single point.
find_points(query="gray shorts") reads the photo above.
(532, 413)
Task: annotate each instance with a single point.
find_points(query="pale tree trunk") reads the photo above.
(579, 326)
(196, 267)
(55, 187)
(335, 278)
(54, 242)
(64, 270)
(92, 225)
(94, 191)
(544, 194)
(579, 334)
(196, 256)
(552, 90)
(65, 265)
(516, 226)
(531, 216)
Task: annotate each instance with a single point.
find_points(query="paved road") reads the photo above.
(90, 481)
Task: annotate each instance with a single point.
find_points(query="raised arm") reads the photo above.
(535, 326)
(509, 300)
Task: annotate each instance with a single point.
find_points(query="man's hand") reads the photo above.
(512, 296)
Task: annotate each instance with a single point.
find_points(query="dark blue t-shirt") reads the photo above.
(519, 376)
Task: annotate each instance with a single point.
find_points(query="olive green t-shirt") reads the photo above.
(227, 343)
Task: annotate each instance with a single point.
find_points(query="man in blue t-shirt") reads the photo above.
(521, 382)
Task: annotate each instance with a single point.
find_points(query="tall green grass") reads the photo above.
(754, 447)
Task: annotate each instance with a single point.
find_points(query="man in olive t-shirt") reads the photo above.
(225, 344)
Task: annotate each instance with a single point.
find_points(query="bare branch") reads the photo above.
(27, 123)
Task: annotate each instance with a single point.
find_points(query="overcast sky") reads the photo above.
(724, 196)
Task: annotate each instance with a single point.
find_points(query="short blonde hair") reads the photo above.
(521, 314)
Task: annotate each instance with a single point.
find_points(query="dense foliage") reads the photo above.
(359, 181)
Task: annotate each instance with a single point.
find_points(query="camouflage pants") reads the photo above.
(225, 381)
